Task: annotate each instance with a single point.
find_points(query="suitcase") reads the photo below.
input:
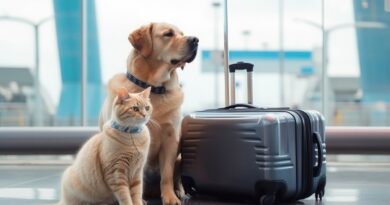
(264, 154)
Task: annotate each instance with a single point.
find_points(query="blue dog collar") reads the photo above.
(131, 130)
(142, 84)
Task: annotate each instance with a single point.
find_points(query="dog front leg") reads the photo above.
(179, 189)
(167, 158)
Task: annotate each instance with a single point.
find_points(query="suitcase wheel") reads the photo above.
(319, 194)
(189, 186)
(320, 191)
(267, 200)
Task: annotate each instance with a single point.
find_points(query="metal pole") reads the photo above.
(67, 140)
(226, 53)
(216, 58)
(83, 79)
(325, 90)
(324, 60)
(281, 53)
(38, 111)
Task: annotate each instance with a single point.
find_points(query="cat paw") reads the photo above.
(170, 199)
(142, 202)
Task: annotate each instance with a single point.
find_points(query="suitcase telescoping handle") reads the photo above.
(249, 69)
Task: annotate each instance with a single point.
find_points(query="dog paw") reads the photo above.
(170, 199)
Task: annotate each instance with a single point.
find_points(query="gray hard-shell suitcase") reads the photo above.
(267, 154)
(240, 150)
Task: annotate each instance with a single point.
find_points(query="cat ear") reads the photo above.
(122, 95)
(146, 92)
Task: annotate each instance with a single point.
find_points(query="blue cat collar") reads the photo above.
(131, 130)
(142, 84)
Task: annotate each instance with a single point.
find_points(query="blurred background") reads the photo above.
(342, 70)
(56, 57)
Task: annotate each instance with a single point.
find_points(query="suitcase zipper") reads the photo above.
(307, 155)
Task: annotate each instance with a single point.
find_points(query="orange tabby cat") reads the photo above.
(109, 166)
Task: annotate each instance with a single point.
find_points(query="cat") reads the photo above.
(109, 167)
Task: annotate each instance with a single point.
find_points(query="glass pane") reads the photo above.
(302, 59)
(68, 36)
(283, 39)
(358, 63)
(254, 38)
(256, 35)
(95, 90)
(40, 63)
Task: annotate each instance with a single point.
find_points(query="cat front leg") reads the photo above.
(120, 187)
(136, 189)
(122, 194)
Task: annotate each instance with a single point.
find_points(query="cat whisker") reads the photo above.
(154, 123)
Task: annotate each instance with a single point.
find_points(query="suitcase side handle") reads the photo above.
(317, 140)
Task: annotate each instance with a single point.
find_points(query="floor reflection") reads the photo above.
(29, 193)
(352, 184)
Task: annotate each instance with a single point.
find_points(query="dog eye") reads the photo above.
(147, 108)
(136, 109)
(168, 34)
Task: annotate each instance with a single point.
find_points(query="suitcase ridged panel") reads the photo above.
(272, 156)
(189, 146)
(279, 157)
(261, 150)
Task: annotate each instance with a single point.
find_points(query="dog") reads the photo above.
(159, 49)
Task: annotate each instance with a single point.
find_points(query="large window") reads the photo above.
(357, 64)
(41, 56)
(30, 77)
(56, 57)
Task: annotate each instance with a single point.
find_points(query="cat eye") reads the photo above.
(147, 108)
(136, 109)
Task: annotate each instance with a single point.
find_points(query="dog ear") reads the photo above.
(141, 39)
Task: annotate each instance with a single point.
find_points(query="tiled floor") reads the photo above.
(347, 184)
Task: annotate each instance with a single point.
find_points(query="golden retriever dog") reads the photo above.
(159, 48)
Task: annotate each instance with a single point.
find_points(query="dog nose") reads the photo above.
(193, 41)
